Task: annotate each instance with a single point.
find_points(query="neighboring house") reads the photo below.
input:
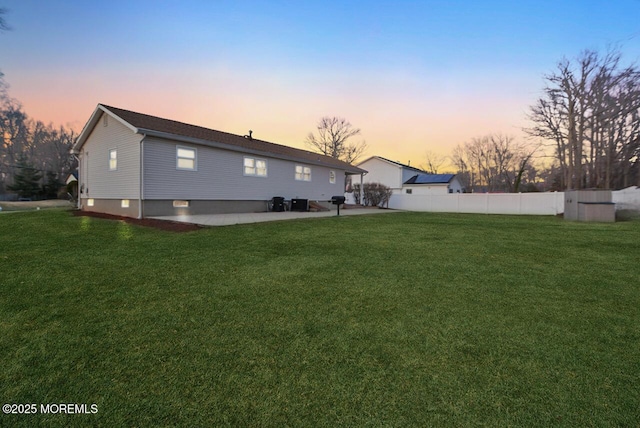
(390, 173)
(137, 165)
(72, 184)
(432, 184)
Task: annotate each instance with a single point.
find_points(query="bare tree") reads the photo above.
(493, 163)
(44, 147)
(333, 138)
(3, 23)
(589, 111)
(433, 162)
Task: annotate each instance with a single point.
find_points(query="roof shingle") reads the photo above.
(145, 123)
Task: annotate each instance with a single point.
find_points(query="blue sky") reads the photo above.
(414, 76)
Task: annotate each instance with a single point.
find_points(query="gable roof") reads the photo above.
(170, 129)
(393, 162)
(430, 179)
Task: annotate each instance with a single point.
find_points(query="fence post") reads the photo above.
(519, 202)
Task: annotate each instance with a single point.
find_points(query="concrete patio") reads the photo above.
(243, 218)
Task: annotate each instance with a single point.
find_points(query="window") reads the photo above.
(90, 202)
(409, 191)
(255, 167)
(303, 173)
(185, 158)
(181, 204)
(332, 177)
(113, 160)
(105, 120)
(124, 203)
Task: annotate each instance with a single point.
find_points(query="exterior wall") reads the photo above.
(407, 174)
(153, 208)
(482, 203)
(455, 185)
(220, 176)
(95, 179)
(383, 172)
(433, 189)
(112, 206)
(426, 189)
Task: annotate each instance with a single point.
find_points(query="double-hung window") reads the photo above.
(186, 158)
(303, 173)
(255, 167)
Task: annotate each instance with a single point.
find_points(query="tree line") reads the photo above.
(587, 121)
(35, 158)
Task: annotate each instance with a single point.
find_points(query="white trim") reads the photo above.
(306, 171)
(91, 124)
(255, 167)
(195, 158)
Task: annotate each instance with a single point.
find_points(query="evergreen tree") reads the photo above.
(52, 186)
(27, 179)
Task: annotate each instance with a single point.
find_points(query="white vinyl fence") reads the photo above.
(627, 199)
(547, 203)
(551, 203)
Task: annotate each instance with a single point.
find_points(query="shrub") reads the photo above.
(374, 194)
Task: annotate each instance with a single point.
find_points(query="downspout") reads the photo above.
(79, 178)
(141, 180)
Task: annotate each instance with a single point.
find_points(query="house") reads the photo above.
(72, 184)
(390, 173)
(432, 184)
(137, 165)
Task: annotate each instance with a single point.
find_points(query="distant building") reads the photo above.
(390, 173)
(432, 184)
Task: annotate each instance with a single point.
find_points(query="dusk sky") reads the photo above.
(414, 76)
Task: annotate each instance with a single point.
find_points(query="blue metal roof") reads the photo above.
(430, 179)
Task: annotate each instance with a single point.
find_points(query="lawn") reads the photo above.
(406, 319)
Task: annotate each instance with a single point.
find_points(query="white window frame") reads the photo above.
(124, 203)
(302, 173)
(253, 170)
(90, 202)
(113, 159)
(194, 159)
(332, 177)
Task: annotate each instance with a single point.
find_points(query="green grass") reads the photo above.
(403, 319)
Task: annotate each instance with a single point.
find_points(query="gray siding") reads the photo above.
(219, 176)
(407, 174)
(99, 182)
